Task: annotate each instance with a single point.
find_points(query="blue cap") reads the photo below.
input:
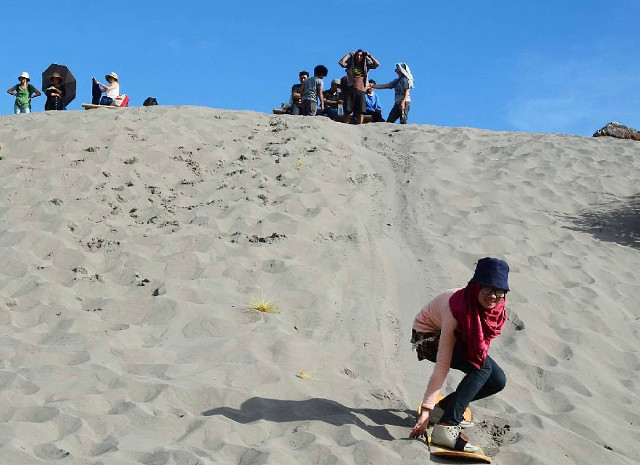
(492, 272)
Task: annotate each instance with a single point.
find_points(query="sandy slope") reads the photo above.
(132, 243)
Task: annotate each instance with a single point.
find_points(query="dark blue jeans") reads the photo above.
(477, 384)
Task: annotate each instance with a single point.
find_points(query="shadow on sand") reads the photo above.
(616, 221)
(328, 411)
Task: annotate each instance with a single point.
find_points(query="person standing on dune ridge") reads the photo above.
(357, 65)
(23, 92)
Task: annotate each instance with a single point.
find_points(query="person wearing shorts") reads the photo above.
(357, 65)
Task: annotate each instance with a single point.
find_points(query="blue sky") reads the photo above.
(541, 66)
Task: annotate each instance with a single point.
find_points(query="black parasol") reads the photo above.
(68, 81)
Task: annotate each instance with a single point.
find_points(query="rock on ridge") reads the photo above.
(619, 131)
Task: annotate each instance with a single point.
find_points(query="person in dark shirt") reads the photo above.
(332, 99)
(296, 94)
(55, 93)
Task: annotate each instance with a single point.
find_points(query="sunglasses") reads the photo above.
(488, 290)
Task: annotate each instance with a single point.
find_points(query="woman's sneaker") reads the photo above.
(436, 414)
(449, 436)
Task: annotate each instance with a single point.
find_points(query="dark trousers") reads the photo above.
(328, 111)
(478, 383)
(395, 113)
(53, 103)
(309, 107)
(106, 100)
(377, 116)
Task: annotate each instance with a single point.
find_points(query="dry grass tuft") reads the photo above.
(262, 305)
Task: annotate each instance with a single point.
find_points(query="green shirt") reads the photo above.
(22, 96)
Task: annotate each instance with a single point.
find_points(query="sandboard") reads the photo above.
(280, 111)
(90, 106)
(440, 451)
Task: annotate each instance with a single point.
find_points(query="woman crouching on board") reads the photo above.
(455, 330)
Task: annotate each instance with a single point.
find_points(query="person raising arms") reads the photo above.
(357, 65)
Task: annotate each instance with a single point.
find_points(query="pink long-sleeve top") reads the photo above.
(437, 316)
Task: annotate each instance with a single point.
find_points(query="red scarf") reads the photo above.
(476, 325)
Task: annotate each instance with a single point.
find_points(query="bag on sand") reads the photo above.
(121, 101)
(425, 344)
(150, 101)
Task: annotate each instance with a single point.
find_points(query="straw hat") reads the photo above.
(55, 75)
(111, 75)
(24, 75)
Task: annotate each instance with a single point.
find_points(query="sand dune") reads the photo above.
(132, 244)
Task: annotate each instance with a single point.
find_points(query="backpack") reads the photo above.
(150, 101)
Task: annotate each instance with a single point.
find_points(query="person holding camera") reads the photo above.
(357, 64)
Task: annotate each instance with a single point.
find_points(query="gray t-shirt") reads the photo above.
(311, 88)
(400, 85)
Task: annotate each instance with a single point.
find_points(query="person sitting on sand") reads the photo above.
(331, 99)
(455, 330)
(373, 103)
(112, 90)
(296, 94)
(402, 85)
(23, 92)
(55, 93)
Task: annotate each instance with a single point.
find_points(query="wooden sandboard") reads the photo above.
(280, 111)
(440, 451)
(91, 106)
